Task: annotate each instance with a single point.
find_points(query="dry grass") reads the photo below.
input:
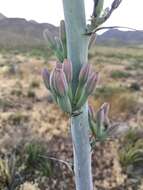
(26, 114)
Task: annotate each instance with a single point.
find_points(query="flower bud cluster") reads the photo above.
(99, 123)
(86, 85)
(58, 44)
(59, 82)
(101, 127)
(100, 15)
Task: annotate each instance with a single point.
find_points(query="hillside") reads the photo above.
(121, 37)
(19, 32)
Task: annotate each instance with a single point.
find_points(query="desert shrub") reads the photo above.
(18, 118)
(121, 100)
(105, 92)
(128, 103)
(39, 52)
(135, 86)
(17, 92)
(9, 178)
(34, 84)
(24, 164)
(5, 104)
(37, 160)
(131, 153)
(129, 67)
(120, 74)
(31, 93)
(138, 64)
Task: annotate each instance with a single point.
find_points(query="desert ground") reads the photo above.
(35, 142)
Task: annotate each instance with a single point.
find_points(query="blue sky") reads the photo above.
(129, 14)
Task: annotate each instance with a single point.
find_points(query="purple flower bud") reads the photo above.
(106, 108)
(52, 81)
(46, 78)
(102, 114)
(58, 82)
(67, 67)
(84, 73)
(59, 65)
(91, 83)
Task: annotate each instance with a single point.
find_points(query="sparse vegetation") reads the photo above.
(131, 156)
(18, 119)
(120, 74)
(5, 104)
(31, 94)
(132, 152)
(34, 84)
(37, 160)
(42, 120)
(135, 86)
(108, 91)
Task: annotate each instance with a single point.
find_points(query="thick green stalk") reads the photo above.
(77, 45)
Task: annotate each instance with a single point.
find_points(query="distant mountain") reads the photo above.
(118, 37)
(19, 32)
(2, 16)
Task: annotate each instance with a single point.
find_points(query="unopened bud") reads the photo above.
(52, 82)
(84, 73)
(62, 35)
(82, 100)
(106, 108)
(116, 4)
(59, 49)
(65, 104)
(62, 31)
(98, 6)
(85, 89)
(58, 82)
(59, 65)
(46, 78)
(91, 83)
(102, 115)
(67, 67)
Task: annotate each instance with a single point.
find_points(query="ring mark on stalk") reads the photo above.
(75, 114)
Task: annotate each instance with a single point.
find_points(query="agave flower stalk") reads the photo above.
(77, 51)
(57, 44)
(77, 47)
(73, 80)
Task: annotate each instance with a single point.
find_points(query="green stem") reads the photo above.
(77, 48)
(82, 152)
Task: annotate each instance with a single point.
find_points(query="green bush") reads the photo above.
(105, 92)
(37, 160)
(131, 152)
(119, 74)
